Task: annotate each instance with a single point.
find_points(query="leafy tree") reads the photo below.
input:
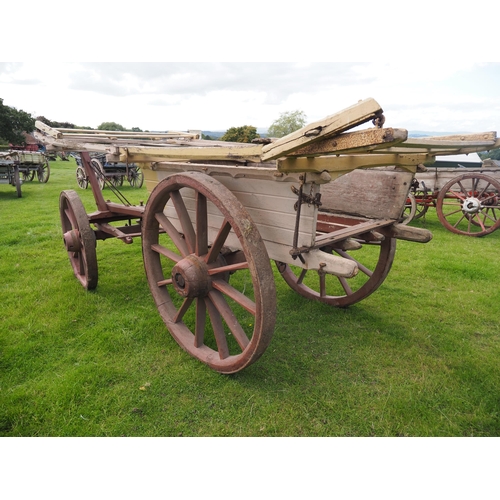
(53, 124)
(136, 129)
(13, 124)
(287, 123)
(247, 133)
(111, 126)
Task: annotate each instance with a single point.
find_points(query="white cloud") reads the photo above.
(416, 95)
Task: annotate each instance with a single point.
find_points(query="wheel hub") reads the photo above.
(471, 206)
(72, 241)
(190, 277)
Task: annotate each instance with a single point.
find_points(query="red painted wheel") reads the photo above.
(469, 205)
(374, 261)
(196, 235)
(79, 239)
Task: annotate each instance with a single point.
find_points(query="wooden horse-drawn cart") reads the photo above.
(219, 212)
(17, 167)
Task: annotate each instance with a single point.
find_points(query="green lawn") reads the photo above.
(419, 357)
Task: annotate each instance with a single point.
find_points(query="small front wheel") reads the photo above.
(79, 239)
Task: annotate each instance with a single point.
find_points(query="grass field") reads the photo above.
(419, 357)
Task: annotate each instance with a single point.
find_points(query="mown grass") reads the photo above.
(419, 357)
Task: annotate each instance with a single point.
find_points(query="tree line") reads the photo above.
(15, 123)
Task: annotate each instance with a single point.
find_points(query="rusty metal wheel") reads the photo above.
(469, 205)
(79, 239)
(195, 236)
(374, 261)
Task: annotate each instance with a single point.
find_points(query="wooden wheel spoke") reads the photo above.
(81, 262)
(487, 215)
(322, 284)
(201, 225)
(461, 196)
(156, 247)
(166, 252)
(345, 286)
(236, 295)
(483, 190)
(479, 221)
(229, 268)
(463, 190)
(231, 321)
(173, 234)
(448, 214)
(201, 318)
(185, 220)
(488, 197)
(164, 282)
(219, 242)
(218, 327)
(183, 309)
(459, 220)
(361, 267)
(71, 217)
(302, 276)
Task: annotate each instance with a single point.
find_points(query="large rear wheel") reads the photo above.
(196, 235)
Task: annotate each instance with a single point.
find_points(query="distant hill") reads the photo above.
(419, 133)
(217, 134)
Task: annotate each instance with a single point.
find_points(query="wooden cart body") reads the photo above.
(218, 210)
(9, 170)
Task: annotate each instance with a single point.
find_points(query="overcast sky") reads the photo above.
(216, 96)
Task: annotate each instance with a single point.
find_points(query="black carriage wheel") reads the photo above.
(116, 180)
(81, 178)
(28, 175)
(136, 177)
(79, 239)
(192, 227)
(43, 172)
(469, 205)
(374, 261)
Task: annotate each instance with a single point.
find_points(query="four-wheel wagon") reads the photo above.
(323, 203)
